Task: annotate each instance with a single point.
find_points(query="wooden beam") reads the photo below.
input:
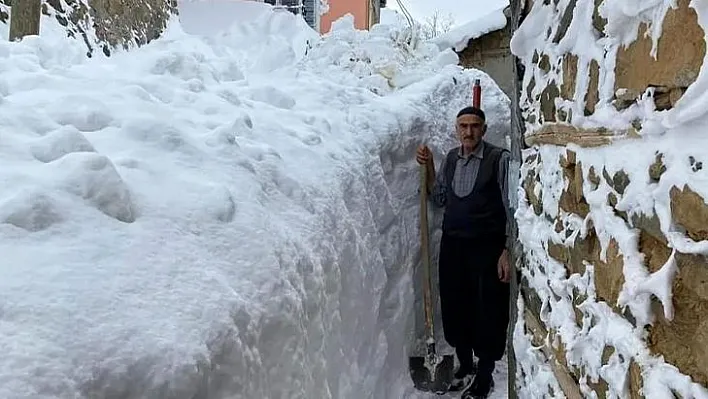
(565, 379)
(24, 18)
(562, 134)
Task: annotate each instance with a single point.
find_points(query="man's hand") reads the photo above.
(503, 268)
(423, 155)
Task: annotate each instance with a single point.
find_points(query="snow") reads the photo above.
(225, 212)
(535, 376)
(221, 14)
(459, 37)
(677, 134)
(392, 17)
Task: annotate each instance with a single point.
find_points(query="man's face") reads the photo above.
(470, 129)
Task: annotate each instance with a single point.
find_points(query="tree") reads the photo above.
(24, 18)
(437, 24)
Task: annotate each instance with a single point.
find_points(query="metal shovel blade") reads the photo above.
(435, 376)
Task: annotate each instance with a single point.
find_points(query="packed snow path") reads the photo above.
(233, 216)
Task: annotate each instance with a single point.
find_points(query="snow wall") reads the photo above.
(612, 212)
(231, 216)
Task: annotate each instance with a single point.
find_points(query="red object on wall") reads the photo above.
(476, 94)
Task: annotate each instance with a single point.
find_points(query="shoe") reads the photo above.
(461, 383)
(462, 379)
(480, 388)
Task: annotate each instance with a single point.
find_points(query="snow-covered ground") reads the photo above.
(231, 216)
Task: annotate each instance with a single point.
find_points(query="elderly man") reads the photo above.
(474, 268)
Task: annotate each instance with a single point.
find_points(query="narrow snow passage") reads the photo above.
(223, 217)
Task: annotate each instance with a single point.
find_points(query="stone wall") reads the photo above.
(107, 24)
(491, 54)
(613, 212)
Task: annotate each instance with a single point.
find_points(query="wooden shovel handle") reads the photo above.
(425, 251)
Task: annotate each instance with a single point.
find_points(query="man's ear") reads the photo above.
(484, 130)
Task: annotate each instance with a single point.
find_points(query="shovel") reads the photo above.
(432, 372)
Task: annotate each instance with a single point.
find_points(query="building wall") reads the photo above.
(312, 15)
(612, 214)
(491, 54)
(338, 8)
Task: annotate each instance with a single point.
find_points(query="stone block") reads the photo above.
(690, 211)
(600, 387)
(570, 73)
(548, 105)
(657, 168)
(593, 178)
(578, 298)
(529, 89)
(649, 225)
(545, 63)
(683, 341)
(529, 185)
(566, 379)
(566, 19)
(572, 199)
(636, 382)
(609, 275)
(680, 54)
(598, 22)
(592, 96)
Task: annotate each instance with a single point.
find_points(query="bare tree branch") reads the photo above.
(437, 24)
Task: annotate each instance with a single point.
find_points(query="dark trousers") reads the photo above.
(474, 302)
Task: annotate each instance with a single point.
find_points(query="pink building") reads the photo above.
(360, 9)
(366, 13)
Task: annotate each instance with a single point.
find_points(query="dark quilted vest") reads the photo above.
(481, 213)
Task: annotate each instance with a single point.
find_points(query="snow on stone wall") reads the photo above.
(612, 211)
(106, 25)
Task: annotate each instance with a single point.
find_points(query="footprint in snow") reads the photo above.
(30, 210)
(273, 96)
(160, 133)
(85, 113)
(94, 178)
(227, 133)
(60, 142)
(224, 208)
(258, 151)
(312, 139)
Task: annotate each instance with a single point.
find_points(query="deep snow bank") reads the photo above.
(207, 218)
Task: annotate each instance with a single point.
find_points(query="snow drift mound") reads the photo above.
(185, 221)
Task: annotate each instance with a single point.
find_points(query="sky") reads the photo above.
(462, 10)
